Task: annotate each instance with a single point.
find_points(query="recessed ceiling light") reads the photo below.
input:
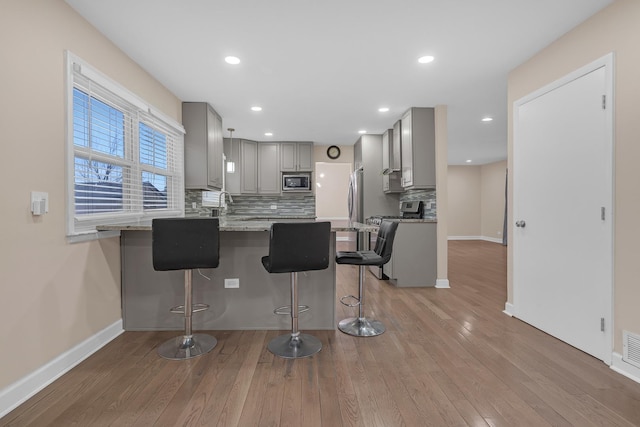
(233, 60)
(426, 59)
(487, 119)
(469, 161)
(383, 109)
(256, 108)
(362, 131)
(268, 134)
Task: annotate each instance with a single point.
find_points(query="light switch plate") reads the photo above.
(39, 202)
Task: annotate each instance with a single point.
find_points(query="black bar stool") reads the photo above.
(361, 326)
(294, 247)
(186, 244)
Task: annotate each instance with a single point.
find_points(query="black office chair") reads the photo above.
(361, 326)
(294, 247)
(186, 244)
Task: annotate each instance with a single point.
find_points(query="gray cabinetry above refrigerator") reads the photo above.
(367, 153)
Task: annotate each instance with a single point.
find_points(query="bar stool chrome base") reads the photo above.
(294, 347)
(361, 327)
(187, 346)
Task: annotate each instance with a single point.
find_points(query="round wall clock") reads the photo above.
(333, 152)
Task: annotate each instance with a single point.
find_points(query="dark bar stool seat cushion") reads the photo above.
(295, 247)
(380, 255)
(361, 326)
(298, 246)
(186, 244)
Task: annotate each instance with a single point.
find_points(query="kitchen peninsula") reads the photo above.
(147, 294)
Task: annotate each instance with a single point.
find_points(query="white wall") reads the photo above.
(476, 201)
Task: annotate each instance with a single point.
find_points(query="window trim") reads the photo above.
(148, 115)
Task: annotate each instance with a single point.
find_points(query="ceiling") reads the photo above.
(321, 69)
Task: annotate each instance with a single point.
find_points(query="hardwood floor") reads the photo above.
(449, 357)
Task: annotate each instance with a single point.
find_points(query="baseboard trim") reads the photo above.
(19, 392)
(486, 239)
(491, 239)
(624, 368)
(508, 309)
(442, 283)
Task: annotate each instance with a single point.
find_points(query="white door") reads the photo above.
(562, 241)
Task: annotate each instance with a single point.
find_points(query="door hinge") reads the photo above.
(602, 324)
(604, 102)
(602, 213)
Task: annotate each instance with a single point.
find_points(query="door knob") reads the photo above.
(520, 224)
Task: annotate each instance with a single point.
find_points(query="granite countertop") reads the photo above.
(241, 225)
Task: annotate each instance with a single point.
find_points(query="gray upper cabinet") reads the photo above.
(367, 152)
(269, 168)
(259, 169)
(203, 146)
(391, 182)
(395, 158)
(248, 167)
(296, 156)
(418, 149)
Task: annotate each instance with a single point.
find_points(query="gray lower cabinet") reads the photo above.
(203, 146)
(418, 149)
(414, 258)
(296, 156)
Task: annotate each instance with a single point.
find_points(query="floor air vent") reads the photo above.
(631, 348)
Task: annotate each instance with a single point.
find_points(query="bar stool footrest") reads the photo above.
(347, 297)
(195, 308)
(286, 309)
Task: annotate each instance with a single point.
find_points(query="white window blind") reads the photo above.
(125, 163)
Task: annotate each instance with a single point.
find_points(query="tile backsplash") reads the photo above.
(254, 205)
(427, 196)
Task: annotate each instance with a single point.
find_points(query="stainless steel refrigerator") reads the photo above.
(356, 205)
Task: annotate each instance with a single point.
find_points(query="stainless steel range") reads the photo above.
(408, 210)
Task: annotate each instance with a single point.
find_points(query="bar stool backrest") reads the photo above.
(384, 242)
(185, 243)
(298, 246)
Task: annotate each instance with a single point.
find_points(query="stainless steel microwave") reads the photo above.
(298, 182)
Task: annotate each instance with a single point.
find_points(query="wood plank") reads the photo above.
(448, 357)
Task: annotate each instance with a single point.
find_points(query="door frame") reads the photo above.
(607, 61)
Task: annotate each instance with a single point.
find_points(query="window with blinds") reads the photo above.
(125, 160)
